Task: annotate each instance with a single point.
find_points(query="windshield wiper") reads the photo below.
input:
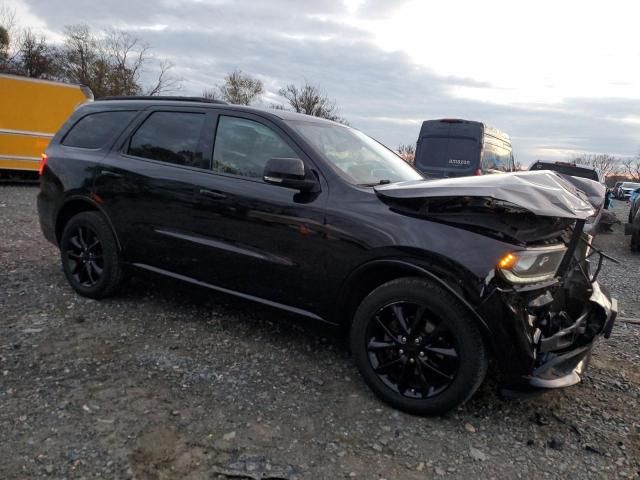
(379, 182)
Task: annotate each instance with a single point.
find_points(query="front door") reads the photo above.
(259, 239)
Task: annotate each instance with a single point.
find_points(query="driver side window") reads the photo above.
(243, 147)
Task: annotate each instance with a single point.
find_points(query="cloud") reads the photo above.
(384, 93)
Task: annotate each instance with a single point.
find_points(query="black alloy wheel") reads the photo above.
(90, 255)
(84, 256)
(412, 350)
(418, 347)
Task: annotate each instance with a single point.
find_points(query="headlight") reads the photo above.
(532, 265)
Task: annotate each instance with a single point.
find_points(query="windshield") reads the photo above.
(357, 157)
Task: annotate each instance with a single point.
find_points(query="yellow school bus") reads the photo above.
(31, 111)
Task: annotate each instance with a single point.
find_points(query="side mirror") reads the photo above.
(288, 172)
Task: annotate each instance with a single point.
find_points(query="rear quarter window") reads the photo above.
(97, 130)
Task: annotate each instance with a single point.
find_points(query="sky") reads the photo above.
(561, 77)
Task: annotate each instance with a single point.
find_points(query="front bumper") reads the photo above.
(564, 361)
(550, 343)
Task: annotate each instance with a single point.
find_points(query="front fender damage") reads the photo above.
(542, 334)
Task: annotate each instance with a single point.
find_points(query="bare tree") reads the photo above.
(165, 82)
(81, 60)
(125, 56)
(631, 167)
(4, 50)
(211, 94)
(407, 152)
(311, 100)
(7, 18)
(240, 88)
(111, 63)
(36, 57)
(7, 38)
(603, 163)
(4, 40)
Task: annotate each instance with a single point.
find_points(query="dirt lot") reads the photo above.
(168, 381)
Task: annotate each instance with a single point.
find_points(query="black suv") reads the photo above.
(430, 278)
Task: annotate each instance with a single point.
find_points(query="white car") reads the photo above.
(626, 188)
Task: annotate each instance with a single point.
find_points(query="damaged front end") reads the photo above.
(541, 303)
(554, 325)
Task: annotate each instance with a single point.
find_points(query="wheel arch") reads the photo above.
(75, 205)
(372, 274)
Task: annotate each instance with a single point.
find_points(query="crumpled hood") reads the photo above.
(541, 192)
(594, 191)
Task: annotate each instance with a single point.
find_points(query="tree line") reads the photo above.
(114, 62)
(240, 88)
(610, 166)
(110, 62)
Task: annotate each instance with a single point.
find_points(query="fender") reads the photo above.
(95, 204)
(420, 271)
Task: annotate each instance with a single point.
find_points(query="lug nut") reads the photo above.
(418, 340)
(403, 340)
(401, 352)
(421, 354)
(411, 360)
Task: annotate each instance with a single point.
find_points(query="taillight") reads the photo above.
(478, 172)
(43, 163)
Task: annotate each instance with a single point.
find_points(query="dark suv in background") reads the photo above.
(430, 278)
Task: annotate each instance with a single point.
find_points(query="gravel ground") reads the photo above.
(167, 381)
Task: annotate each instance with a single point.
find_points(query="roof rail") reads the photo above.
(159, 97)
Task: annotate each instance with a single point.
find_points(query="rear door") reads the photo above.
(448, 156)
(146, 185)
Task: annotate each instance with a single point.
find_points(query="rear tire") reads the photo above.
(417, 347)
(90, 257)
(635, 237)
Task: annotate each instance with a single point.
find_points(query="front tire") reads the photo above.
(417, 347)
(90, 257)
(635, 242)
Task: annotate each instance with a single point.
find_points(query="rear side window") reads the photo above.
(97, 130)
(172, 137)
(495, 157)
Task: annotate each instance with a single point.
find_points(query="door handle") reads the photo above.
(109, 173)
(213, 194)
